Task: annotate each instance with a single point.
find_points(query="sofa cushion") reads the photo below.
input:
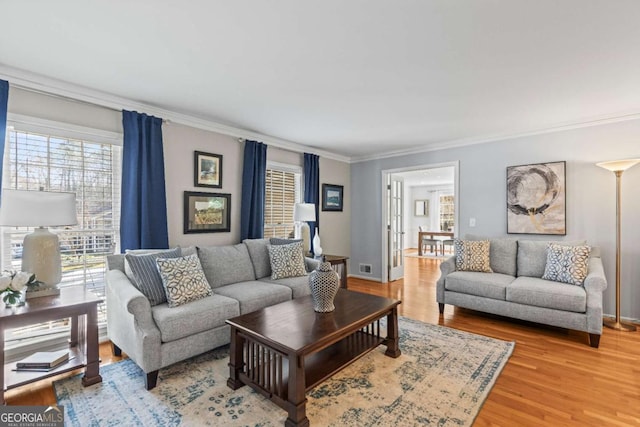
(488, 285)
(567, 264)
(259, 255)
(255, 295)
(532, 256)
(183, 279)
(502, 254)
(140, 267)
(545, 293)
(299, 285)
(224, 265)
(472, 255)
(194, 317)
(287, 261)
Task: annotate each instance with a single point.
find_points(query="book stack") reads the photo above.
(43, 361)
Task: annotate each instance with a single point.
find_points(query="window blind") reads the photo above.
(282, 193)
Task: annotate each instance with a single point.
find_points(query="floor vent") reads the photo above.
(365, 268)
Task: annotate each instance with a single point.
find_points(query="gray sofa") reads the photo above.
(516, 288)
(158, 336)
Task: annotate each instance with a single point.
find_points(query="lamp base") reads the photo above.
(41, 256)
(618, 326)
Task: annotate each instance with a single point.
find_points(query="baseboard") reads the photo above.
(373, 279)
(622, 319)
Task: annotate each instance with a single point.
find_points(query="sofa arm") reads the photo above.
(447, 267)
(595, 280)
(311, 264)
(130, 324)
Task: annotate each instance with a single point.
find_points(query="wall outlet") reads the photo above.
(365, 268)
(472, 222)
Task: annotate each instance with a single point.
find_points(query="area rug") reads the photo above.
(442, 378)
(426, 255)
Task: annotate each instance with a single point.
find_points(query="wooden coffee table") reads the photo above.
(284, 350)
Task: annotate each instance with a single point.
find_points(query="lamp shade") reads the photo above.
(21, 208)
(618, 165)
(304, 212)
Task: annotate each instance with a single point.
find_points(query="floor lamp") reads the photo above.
(41, 209)
(617, 167)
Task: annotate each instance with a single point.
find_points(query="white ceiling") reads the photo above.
(432, 176)
(358, 78)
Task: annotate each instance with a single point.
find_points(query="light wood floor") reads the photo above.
(553, 378)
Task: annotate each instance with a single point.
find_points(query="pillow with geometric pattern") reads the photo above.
(286, 261)
(183, 279)
(567, 264)
(472, 255)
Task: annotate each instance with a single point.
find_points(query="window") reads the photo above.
(282, 187)
(91, 170)
(447, 212)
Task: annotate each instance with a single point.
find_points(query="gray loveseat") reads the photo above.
(516, 288)
(158, 336)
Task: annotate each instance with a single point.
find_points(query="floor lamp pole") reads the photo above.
(616, 324)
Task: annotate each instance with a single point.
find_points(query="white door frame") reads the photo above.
(384, 175)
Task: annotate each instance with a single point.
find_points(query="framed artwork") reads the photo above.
(332, 197)
(206, 212)
(536, 199)
(207, 170)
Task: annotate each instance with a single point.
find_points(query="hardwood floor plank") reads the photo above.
(553, 378)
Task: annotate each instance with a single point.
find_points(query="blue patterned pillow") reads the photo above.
(567, 264)
(183, 279)
(145, 273)
(286, 261)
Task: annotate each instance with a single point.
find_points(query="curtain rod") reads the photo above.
(68, 98)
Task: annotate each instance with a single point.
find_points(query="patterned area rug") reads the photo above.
(442, 378)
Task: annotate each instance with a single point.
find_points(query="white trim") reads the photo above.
(358, 276)
(39, 83)
(65, 130)
(286, 167)
(384, 174)
(604, 120)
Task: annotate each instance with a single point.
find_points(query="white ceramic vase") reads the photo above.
(324, 283)
(317, 249)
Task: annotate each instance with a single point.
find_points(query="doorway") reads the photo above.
(421, 196)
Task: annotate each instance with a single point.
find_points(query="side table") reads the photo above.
(337, 261)
(74, 302)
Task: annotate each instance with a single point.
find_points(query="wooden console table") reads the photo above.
(74, 302)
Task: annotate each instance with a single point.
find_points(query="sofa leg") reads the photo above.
(594, 340)
(150, 380)
(117, 351)
(441, 308)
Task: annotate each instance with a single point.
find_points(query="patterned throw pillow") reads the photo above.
(183, 279)
(472, 255)
(567, 264)
(286, 261)
(142, 267)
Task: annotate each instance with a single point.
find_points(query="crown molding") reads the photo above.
(36, 82)
(483, 140)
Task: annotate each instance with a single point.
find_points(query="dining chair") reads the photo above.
(429, 241)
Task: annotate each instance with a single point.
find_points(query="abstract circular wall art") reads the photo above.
(536, 199)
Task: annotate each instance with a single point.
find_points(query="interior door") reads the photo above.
(396, 228)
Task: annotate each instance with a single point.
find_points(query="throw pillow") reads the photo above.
(286, 261)
(472, 255)
(567, 264)
(183, 279)
(145, 273)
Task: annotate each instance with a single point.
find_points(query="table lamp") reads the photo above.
(617, 167)
(41, 209)
(302, 213)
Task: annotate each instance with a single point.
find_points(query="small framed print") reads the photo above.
(206, 212)
(332, 197)
(207, 170)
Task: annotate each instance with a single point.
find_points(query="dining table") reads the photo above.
(431, 235)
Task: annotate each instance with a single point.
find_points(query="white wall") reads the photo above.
(590, 195)
(335, 227)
